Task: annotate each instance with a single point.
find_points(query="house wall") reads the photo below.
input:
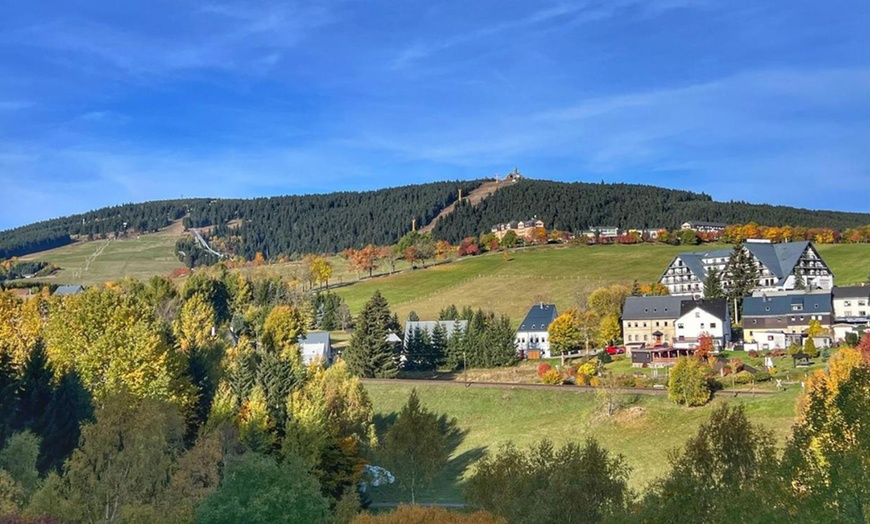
(767, 339)
(642, 330)
(540, 340)
(695, 322)
(851, 307)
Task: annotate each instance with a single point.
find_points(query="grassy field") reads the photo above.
(643, 433)
(100, 261)
(560, 275)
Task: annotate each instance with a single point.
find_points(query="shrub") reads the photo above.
(762, 376)
(752, 353)
(743, 377)
(581, 379)
(618, 358)
(640, 383)
(688, 384)
(589, 369)
(595, 382)
(794, 349)
(726, 370)
(624, 381)
(543, 368)
(604, 357)
(736, 364)
(551, 376)
(810, 348)
(778, 353)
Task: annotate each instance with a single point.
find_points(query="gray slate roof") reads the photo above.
(315, 337)
(717, 307)
(851, 291)
(538, 318)
(315, 346)
(68, 290)
(813, 304)
(780, 259)
(646, 308)
(429, 326)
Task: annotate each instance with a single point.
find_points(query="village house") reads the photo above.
(67, 290)
(523, 228)
(851, 310)
(451, 327)
(777, 265)
(703, 317)
(533, 340)
(704, 227)
(316, 346)
(777, 321)
(650, 320)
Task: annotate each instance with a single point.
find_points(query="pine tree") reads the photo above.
(412, 317)
(449, 313)
(8, 395)
(713, 284)
(418, 350)
(742, 274)
(369, 354)
(70, 406)
(438, 345)
(799, 282)
(35, 391)
(635, 289)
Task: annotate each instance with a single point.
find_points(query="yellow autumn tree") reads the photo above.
(565, 333)
(21, 324)
(255, 425)
(282, 328)
(609, 329)
(195, 323)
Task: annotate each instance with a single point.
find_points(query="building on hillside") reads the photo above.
(606, 232)
(703, 317)
(777, 321)
(533, 340)
(776, 263)
(523, 228)
(316, 346)
(68, 290)
(649, 321)
(451, 327)
(851, 310)
(704, 227)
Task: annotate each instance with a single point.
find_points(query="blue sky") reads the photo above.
(109, 102)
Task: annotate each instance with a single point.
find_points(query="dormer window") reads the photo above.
(798, 307)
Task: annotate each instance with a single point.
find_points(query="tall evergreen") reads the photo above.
(635, 289)
(799, 282)
(70, 407)
(449, 313)
(8, 395)
(369, 353)
(438, 345)
(35, 391)
(713, 284)
(742, 275)
(418, 351)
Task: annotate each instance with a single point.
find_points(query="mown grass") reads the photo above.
(561, 275)
(643, 434)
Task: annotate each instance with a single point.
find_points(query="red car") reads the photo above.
(612, 350)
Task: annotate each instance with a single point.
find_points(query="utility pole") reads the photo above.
(413, 224)
(465, 366)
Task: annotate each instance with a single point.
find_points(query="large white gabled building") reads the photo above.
(777, 265)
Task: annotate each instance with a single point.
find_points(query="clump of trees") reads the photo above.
(687, 382)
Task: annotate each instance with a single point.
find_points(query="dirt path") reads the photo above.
(475, 197)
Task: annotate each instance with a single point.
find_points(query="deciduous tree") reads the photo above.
(687, 383)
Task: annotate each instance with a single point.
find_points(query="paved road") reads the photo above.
(568, 389)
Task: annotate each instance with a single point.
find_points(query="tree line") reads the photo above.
(580, 206)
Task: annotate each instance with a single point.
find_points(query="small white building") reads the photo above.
(316, 347)
(700, 317)
(533, 340)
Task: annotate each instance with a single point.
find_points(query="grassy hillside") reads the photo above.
(89, 263)
(643, 434)
(558, 275)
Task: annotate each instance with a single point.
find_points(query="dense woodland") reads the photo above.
(578, 206)
(291, 226)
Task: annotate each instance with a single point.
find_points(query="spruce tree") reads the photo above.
(35, 391)
(369, 354)
(449, 313)
(742, 273)
(438, 345)
(8, 395)
(799, 282)
(635, 289)
(713, 284)
(412, 317)
(69, 408)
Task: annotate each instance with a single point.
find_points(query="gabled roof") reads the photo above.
(316, 337)
(766, 306)
(718, 307)
(315, 346)
(450, 326)
(652, 308)
(780, 259)
(851, 292)
(69, 290)
(539, 318)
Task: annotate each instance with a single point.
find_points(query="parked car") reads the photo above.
(613, 350)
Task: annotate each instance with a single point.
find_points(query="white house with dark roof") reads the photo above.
(776, 263)
(533, 340)
(316, 346)
(700, 317)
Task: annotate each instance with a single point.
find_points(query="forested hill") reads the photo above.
(324, 223)
(143, 218)
(279, 225)
(578, 206)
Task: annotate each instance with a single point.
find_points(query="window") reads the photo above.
(645, 338)
(657, 323)
(799, 307)
(702, 325)
(754, 321)
(862, 313)
(848, 303)
(666, 323)
(848, 312)
(697, 314)
(679, 326)
(770, 338)
(861, 303)
(712, 325)
(644, 324)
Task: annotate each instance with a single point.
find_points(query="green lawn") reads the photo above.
(100, 261)
(561, 275)
(493, 416)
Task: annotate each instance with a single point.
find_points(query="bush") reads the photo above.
(778, 353)
(640, 383)
(618, 358)
(736, 364)
(743, 377)
(595, 382)
(604, 357)
(543, 368)
(589, 369)
(726, 370)
(762, 376)
(551, 376)
(752, 353)
(688, 384)
(581, 379)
